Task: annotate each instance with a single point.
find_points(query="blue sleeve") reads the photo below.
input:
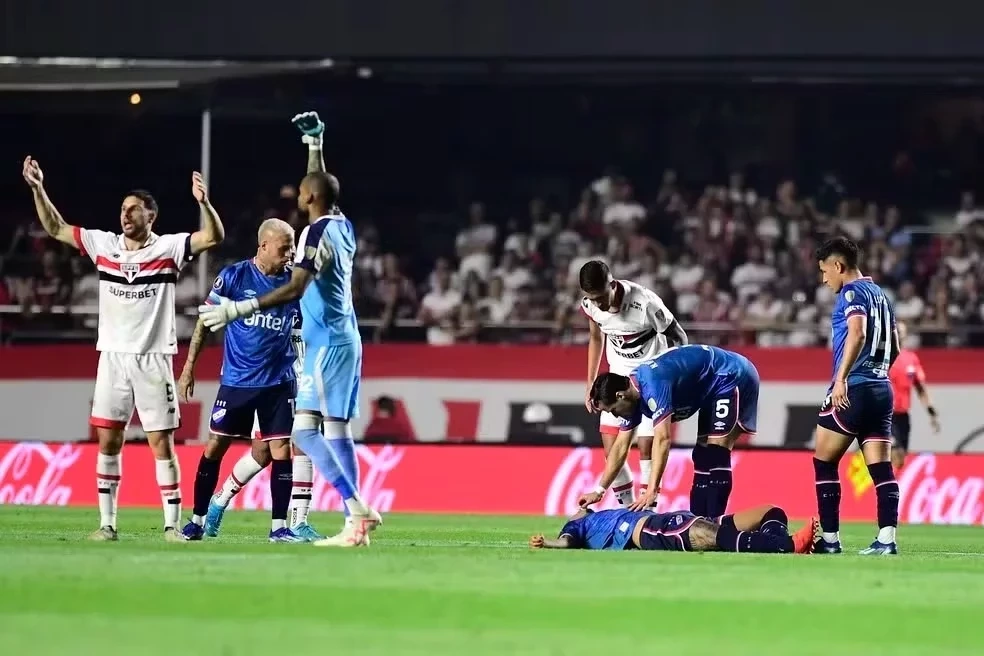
(574, 529)
(312, 250)
(657, 397)
(222, 287)
(853, 303)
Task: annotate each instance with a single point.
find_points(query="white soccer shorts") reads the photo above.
(125, 381)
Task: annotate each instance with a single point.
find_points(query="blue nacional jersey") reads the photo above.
(258, 350)
(675, 384)
(327, 249)
(605, 529)
(863, 298)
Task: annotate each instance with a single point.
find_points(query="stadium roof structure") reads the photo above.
(55, 74)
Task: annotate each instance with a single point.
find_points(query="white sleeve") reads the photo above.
(659, 315)
(178, 247)
(92, 243)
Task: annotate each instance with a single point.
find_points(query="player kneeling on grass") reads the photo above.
(258, 379)
(760, 530)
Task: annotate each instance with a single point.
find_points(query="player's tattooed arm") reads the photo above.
(51, 219)
(316, 161)
(703, 536)
(186, 382)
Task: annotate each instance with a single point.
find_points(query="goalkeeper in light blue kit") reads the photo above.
(328, 390)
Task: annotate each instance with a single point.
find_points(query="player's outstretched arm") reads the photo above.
(212, 231)
(300, 278)
(51, 218)
(312, 133)
(595, 343)
(613, 465)
(540, 542)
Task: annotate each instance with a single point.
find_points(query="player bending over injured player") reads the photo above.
(764, 529)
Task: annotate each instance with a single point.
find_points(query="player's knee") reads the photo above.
(825, 470)
(306, 421)
(260, 451)
(830, 445)
(110, 440)
(161, 444)
(216, 447)
(278, 449)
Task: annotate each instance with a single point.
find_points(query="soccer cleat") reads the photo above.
(284, 535)
(821, 546)
(803, 539)
(174, 535)
(104, 534)
(306, 533)
(880, 549)
(355, 534)
(213, 518)
(193, 532)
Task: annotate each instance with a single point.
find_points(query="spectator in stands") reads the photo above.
(439, 311)
(388, 424)
(395, 295)
(475, 243)
(968, 213)
(750, 277)
(496, 307)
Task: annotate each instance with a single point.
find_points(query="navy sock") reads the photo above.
(776, 522)
(730, 538)
(281, 484)
(699, 489)
(206, 479)
(828, 495)
(719, 479)
(886, 492)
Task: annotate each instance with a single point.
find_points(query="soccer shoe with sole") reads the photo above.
(880, 549)
(193, 532)
(821, 546)
(174, 535)
(803, 539)
(306, 533)
(104, 534)
(355, 534)
(284, 535)
(213, 518)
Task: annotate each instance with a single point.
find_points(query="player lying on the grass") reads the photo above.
(257, 380)
(764, 529)
(634, 325)
(723, 387)
(859, 403)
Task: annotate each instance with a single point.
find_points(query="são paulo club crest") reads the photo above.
(129, 270)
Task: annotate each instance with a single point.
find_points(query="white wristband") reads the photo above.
(601, 490)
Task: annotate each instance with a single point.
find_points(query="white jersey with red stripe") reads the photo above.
(634, 328)
(136, 289)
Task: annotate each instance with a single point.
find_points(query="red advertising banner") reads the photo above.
(478, 393)
(938, 489)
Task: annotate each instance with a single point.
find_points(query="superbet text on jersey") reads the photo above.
(136, 327)
(633, 332)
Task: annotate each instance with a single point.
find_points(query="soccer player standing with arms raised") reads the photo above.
(138, 270)
(859, 401)
(328, 391)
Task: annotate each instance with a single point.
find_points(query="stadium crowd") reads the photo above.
(736, 265)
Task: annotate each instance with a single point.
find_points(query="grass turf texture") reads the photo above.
(468, 585)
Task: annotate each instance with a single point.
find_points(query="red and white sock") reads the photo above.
(622, 486)
(242, 473)
(645, 469)
(109, 470)
(300, 496)
(169, 482)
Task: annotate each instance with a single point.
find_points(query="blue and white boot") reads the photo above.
(306, 533)
(193, 532)
(821, 546)
(880, 549)
(213, 518)
(284, 535)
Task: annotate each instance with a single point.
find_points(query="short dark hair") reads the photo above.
(145, 197)
(842, 246)
(606, 387)
(386, 404)
(593, 276)
(325, 186)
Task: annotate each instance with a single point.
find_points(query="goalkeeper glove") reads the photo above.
(311, 126)
(218, 316)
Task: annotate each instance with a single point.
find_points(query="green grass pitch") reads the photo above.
(468, 585)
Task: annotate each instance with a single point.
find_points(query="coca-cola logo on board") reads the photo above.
(926, 498)
(31, 474)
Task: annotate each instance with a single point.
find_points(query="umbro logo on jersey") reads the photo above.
(249, 292)
(130, 270)
(116, 256)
